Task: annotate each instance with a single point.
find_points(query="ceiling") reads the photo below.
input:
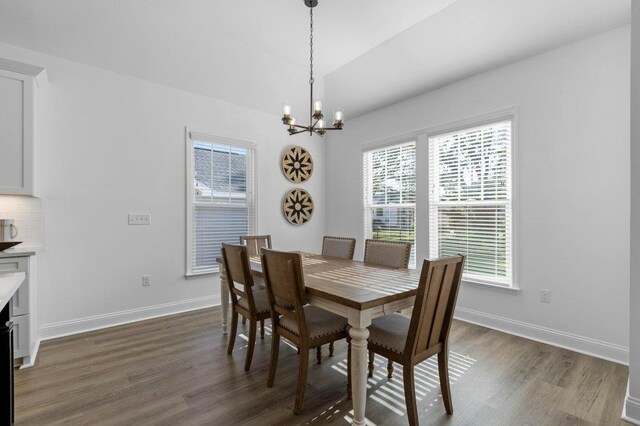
(255, 53)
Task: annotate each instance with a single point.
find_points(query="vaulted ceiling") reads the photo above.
(255, 53)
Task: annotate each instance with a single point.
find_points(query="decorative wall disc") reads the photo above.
(298, 206)
(297, 164)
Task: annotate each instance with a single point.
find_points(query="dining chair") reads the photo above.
(255, 242)
(340, 247)
(410, 341)
(247, 301)
(394, 254)
(305, 326)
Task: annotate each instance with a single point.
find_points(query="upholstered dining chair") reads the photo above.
(393, 254)
(247, 301)
(255, 242)
(410, 341)
(305, 326)
(340, 247)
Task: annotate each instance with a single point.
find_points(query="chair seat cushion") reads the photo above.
(390, 331)
(319, 322)
(261, 300)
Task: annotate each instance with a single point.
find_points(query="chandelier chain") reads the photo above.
(311, 80)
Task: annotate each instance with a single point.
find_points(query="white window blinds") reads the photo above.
(390, 194)
(470, 200)
(221, 203)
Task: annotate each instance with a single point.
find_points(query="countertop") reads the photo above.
(19, 252)
(9, 284)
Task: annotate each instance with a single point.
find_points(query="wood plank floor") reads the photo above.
(175, 371)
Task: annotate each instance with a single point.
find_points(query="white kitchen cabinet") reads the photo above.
(23, 316)
(17, 133)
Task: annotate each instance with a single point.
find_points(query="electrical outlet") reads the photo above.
(146, 280)
(139, 219)
(545, 296)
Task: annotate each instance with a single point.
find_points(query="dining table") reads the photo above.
(355, 290)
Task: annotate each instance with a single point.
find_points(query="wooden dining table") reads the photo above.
(354, 290)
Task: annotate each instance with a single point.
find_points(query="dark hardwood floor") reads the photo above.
(175, 371)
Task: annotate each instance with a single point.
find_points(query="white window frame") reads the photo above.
(421, 136)
(191, 136)
(510, 114)
(381, 145)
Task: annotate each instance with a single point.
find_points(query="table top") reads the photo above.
(352, 283)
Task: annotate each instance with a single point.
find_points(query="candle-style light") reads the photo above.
(316, 122)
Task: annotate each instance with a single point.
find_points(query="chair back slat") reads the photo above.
(285, 286)
(393, 254)
(435, 302)
(340, 247)
(255, 243)
(239, 278)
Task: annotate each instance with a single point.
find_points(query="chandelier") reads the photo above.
(316, 116)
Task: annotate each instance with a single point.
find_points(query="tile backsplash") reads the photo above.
(28, 215)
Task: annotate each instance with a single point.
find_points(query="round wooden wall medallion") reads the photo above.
(297, 164)
(298, 206)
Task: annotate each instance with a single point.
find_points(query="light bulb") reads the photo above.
(286, 110)
(338, 116)
(292, 122)
(317, 106)
(320, 124)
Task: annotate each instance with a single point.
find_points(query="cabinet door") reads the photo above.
(20, 336)
(16, 133)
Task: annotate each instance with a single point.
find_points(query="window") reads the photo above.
(470, 200)
(220, 202)
(390, 194)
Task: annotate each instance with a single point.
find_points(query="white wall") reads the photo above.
(572, 188)
(109, 145)
(632, 405)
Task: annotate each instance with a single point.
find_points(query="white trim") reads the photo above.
(505, 114)
(30, 360)
(251, 147)
(631, 409)
(597, 348)
(97, 322)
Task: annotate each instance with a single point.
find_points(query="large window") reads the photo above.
(470, 200)
(390, 194)
(220, 202)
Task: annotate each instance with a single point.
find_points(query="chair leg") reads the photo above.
(410, 395)
(303, 367)
(372, 357)
(445, 387)
(273, 364)
(319, 354)
(331, 349)
(348, 368)
(390, 370)
(252, 343)
(234, 330)
(262, 329)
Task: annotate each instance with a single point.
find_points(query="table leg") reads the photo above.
(359, 321)
(224, 300)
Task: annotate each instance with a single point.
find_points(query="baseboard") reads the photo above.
(97, 322)
(631, 409)
(574, 342)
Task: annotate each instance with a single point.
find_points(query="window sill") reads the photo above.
(200, 274)
(489, 286)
